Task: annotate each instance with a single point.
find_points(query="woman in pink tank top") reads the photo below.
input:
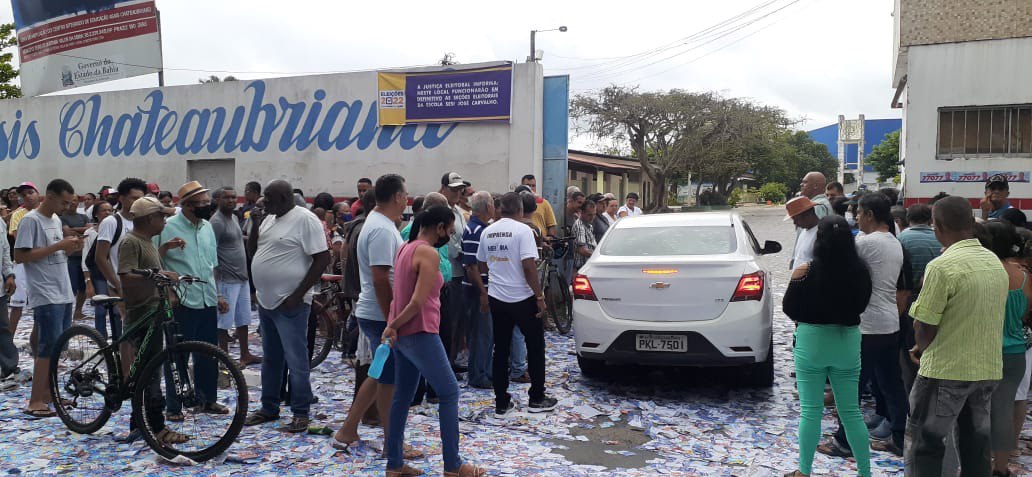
(412, 331)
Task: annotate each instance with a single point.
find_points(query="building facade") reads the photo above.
(962, 73)
(850, 147)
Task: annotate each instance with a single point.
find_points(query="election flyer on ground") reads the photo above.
(479, 94)
(70, 43)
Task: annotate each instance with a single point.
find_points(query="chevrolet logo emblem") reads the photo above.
(660, 285)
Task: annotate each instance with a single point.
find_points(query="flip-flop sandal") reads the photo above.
(405, 471)
(177, 417)
(40, 413)
(409, 453)
(832, 448)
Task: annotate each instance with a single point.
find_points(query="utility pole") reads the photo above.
(533, 44)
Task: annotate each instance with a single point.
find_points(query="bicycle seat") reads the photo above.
(104, 299)
(332, 278)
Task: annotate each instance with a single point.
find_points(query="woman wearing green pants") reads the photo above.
(825, 299)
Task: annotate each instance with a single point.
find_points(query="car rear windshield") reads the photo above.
(680, 240)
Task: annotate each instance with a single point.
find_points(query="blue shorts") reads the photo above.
(51, 321)
(77, 275)
(373, 331)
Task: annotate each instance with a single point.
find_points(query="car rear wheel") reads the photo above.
(761, 375)
(591, 368)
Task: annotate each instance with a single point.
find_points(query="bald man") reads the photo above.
(813, 186)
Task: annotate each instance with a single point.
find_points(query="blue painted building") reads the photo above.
(875, 131)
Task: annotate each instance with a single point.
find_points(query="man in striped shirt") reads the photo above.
(958, 326)
(481, 334)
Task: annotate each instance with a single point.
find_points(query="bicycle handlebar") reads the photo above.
(155, 274)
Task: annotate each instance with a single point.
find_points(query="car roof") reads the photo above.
(698, 219)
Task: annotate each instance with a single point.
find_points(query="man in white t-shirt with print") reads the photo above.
(290, 254)
(509, 253)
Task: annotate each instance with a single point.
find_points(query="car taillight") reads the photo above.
(750, 287)
(582, 289)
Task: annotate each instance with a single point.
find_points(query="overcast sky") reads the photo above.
(814, 58)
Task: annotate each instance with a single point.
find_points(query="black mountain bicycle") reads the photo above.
(330, 310)
(88, 384)
(558, 301)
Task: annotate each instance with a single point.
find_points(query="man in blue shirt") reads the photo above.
(481, 335)
(995, 200)
(192, 250)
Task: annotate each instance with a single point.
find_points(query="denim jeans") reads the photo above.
(517, 354)
(481, 339)
(285, 344)
(50, 321)
(101, 312)
(8, 351)
(196, 325)
(415, 355)
(937, 405)
(880, 364)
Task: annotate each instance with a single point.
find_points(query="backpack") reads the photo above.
(91, 256)
(352, 282)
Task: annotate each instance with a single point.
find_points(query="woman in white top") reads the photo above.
(100, 211)
(610, 213)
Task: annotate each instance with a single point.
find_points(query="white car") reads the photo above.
(676, 290)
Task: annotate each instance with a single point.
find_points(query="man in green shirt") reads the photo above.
(188, 247)
(958, 326)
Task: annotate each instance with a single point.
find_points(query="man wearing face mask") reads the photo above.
(193, 250)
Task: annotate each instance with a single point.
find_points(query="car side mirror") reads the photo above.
(770, 247)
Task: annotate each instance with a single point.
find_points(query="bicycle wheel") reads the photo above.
(209, 433)
(559, 303)
(324, 337)
(81, 376)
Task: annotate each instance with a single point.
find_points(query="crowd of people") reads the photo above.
(455, 290)
(926, 309)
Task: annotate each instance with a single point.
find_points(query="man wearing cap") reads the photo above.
(42, 247)
(801, 212)
(137, 251)
(996, 193)
(30, 200)
(189, 247)
(452, 187)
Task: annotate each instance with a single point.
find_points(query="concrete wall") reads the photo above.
(318, 132)
(982, 73)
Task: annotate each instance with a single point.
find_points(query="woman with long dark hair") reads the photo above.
(825, 299)
(1000, 237)
(413, 332)
(95, 281)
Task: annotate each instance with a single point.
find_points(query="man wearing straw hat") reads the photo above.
(803, 213)
(192, 250)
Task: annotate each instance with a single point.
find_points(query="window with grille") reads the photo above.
(985, 131)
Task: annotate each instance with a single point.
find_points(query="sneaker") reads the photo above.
(509, 409)
(522, 379)
(546, 404)
(297, 425)
(8, 383)
(462, 359)
(883, 431)
(873, 421)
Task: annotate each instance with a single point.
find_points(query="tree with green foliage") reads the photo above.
(8, 72)
(884, 157)
(790, 157)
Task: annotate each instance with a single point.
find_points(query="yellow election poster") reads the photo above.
(391, 87)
